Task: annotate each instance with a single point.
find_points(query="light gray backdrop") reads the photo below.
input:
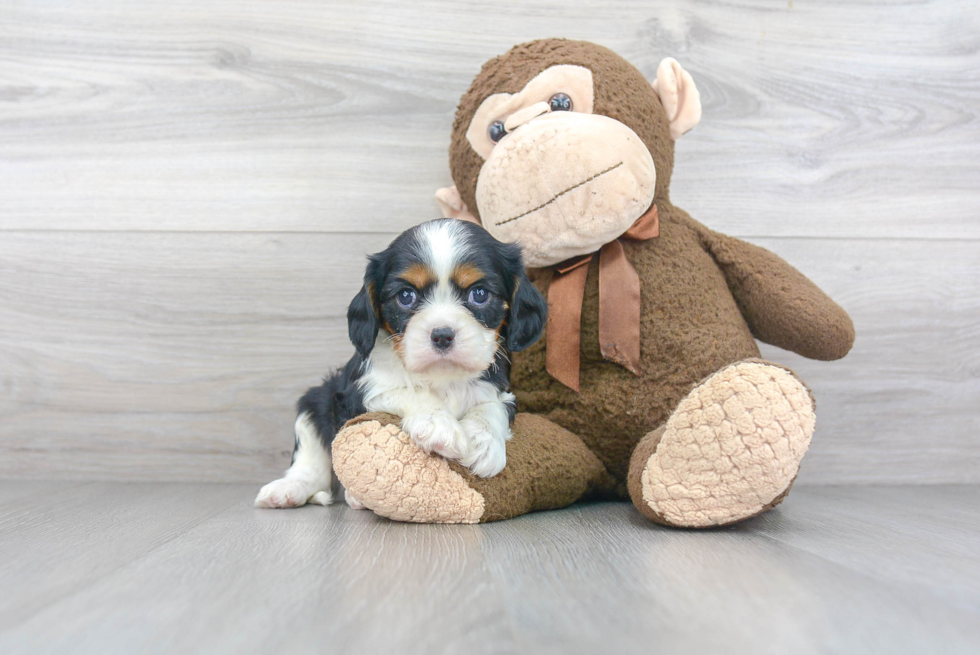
(188, 190)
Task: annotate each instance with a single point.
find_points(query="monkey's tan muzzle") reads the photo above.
(565, 183)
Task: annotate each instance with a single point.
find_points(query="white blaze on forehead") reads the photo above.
(442, 245)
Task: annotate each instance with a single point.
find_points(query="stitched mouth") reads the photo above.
(560, 194)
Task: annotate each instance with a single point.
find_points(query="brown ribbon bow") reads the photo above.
(619, 306)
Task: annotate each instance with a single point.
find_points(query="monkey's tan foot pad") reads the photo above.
(730, 450)
(384, 470)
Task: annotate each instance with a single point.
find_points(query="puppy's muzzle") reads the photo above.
(442, 338)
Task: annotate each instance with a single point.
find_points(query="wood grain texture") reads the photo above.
(169, 355)
(902, 406)
(852, 120)
(76, 535)
(834, 569)
(187, 191)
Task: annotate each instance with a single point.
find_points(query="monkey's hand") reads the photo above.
(781, 306)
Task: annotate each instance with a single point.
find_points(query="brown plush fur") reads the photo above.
(705, 299)
(692, 324)
(705, 296)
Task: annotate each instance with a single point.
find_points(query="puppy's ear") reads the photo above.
(528, 308)
(362, 315)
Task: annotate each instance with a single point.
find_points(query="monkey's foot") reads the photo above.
(385, 471)
(730, 450)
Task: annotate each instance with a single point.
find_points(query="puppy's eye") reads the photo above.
(406, 298)
(496, 131)
(479, 296)
(560, 102)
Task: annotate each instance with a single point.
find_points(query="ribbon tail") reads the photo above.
(619, 308)
(565, 325)
(646, 226)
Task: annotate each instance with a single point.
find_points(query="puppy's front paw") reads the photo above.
(486, 454)
(438, 432)
(291, 492)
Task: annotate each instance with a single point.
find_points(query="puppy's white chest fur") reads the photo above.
(466, 419)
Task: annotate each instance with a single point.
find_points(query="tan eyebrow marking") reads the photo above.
(467, 274)
(419, 276)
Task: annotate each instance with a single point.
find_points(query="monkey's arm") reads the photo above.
(781, 306)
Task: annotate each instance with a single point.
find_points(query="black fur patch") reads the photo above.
(336, 401)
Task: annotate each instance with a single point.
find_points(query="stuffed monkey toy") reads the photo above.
(648, 383)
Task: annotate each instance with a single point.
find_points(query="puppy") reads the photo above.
(440, 310)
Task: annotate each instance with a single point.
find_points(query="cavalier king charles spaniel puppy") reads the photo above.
(440, 310)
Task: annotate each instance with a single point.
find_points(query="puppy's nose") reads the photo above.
(442, 338)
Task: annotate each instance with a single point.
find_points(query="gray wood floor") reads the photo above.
(178, 568)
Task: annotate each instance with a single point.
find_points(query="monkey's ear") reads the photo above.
(452, 205)
(679, 96)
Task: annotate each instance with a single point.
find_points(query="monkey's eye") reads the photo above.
(560, 102)
(479, 296)
(406, 298)
(496, 131)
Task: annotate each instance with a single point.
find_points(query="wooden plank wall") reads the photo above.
(188, 190)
